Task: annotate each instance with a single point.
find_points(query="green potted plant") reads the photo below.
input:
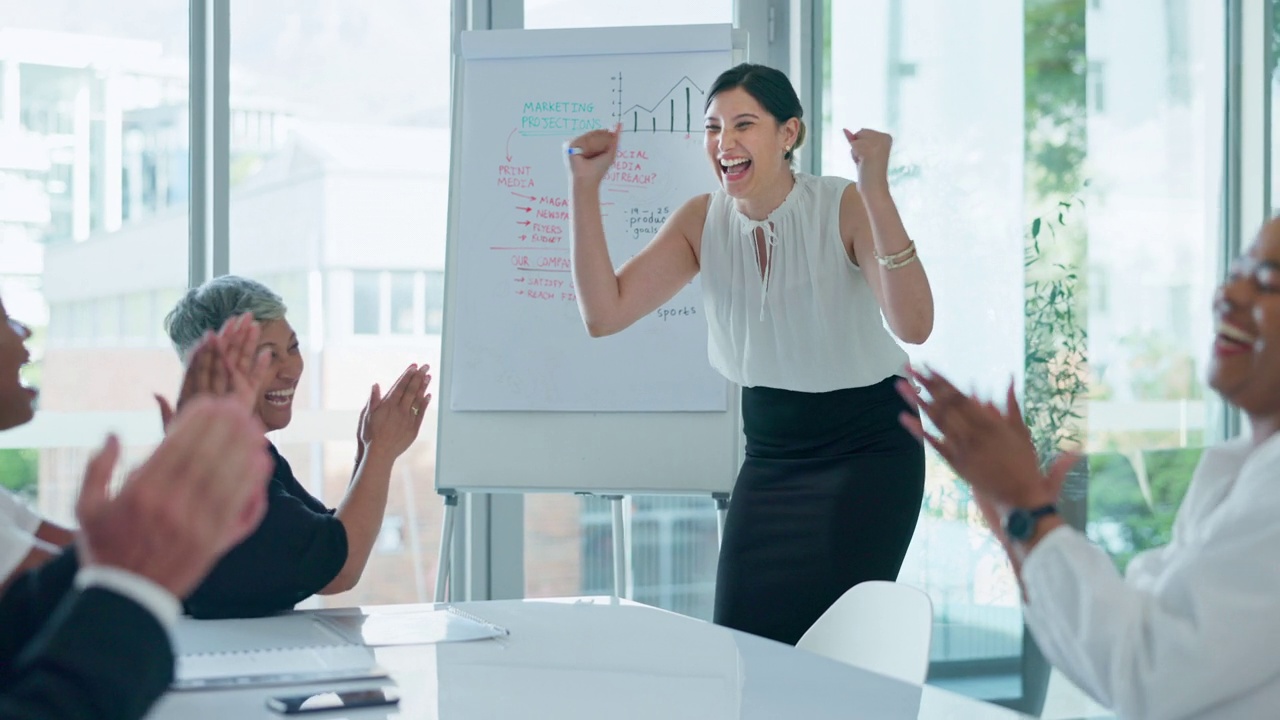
(1055, 344)
(1055, 338)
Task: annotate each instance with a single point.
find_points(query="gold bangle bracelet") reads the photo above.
(901, 263)
(895, 257)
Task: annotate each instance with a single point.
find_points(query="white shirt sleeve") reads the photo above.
(14, 546)
(155, 599)
(1203, 633)
(13, 509)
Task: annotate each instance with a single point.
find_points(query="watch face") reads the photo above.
(1018, 524)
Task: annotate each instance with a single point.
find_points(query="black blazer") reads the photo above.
(68, 654)
(297, 549)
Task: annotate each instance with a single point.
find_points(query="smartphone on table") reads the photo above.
(333, 700)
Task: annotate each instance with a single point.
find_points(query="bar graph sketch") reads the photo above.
(674, 112)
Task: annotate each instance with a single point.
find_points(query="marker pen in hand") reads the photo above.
(571, 150)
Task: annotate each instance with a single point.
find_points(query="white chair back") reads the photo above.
(884, 627)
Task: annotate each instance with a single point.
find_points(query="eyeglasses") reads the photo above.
(22, 331)
(1264, 274)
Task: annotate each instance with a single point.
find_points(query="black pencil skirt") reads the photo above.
(827, 497)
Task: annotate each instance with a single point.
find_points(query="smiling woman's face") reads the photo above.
(275, 405)
(16, 401)
(1245, 365)
(746, 145)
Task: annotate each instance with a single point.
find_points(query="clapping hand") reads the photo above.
(199, 494)
(991, 449)
(226, 363)
(389, 424)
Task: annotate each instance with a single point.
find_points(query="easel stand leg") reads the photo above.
(722, 512)
(446, 547)
(619, 548)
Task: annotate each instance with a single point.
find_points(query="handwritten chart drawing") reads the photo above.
(672, 113)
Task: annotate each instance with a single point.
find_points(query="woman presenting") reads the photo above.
(797, 271)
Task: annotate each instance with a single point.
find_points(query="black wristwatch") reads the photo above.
(1020, 523)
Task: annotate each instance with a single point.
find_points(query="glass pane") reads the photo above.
(674, 552)
(1155, 137)
(365, 305)
(93, 224)
(433, 299)
(947, 81)
(568, 540)
(138, 314)
(1095, 127)
(340, 145)
(402, 304)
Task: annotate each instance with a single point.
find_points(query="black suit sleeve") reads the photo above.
(30, 600)
(100, 656)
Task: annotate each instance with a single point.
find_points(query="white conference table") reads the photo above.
(595, 658)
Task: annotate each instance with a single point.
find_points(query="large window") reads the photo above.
(93, 226)
(1093, 129)
(340, 155)
(947, 82)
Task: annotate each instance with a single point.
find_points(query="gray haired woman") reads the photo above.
(302, 547)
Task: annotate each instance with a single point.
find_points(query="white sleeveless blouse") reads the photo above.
(813, 323)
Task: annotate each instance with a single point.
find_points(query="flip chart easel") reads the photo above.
(528, 401)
